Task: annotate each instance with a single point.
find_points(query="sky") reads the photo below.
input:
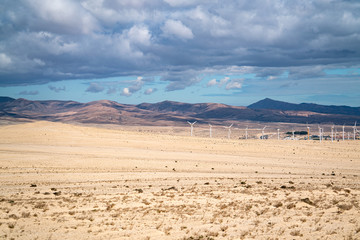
(234, 52)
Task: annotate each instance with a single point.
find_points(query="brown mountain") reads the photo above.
(163, 113)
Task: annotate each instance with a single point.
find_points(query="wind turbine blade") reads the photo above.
(189, 122)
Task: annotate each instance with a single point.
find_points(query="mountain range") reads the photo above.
(169, 113)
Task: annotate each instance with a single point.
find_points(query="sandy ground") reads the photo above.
(61, 181)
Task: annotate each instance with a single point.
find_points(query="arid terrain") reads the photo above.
(63, 181)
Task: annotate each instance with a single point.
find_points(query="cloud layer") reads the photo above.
(178, 40)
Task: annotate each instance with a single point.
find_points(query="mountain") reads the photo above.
(6, 99)
(170, 113)
(268, 103)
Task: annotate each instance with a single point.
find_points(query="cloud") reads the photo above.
(234, 84)
(223, 81)
(111, 90)
(211, 83)
(139, 35)
(182, 3)
(126, 92)
(29, 93)
(4, 60)
(179, 80)
(136, 85)
(61, 16)
(178, 29)
(56, 89)
(150, 91)
(178, 40)
(95, 88)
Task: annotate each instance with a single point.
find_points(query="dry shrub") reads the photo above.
(290, 206)
(296, 233)
(11, 225)
(41, 205)
(25, 215)
(344, 206)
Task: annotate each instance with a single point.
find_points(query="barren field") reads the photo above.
(62, 181)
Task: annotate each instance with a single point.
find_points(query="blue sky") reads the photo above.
(134, 51)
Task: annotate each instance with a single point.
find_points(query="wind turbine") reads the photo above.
(278, 130)
(335, 134)
(192, 127)
(332, 133)
(229, 130)
(262, 132)
(343, 132)
(354, 127)
(210, 130)
(293, 134)
(246, 132)
(308, 131)
(320, 137)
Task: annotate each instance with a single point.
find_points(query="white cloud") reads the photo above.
(4, 60)
(150, 91)
(63, 16)
(211, 83)
(272, 78)
(223, 81)
(178, 29)
(234, 84)
(126, 92)
(135, 87)
(183, 3)
(140, 35)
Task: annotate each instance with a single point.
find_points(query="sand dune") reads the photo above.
(61, 181)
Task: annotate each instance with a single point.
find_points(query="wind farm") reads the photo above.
(181, 177)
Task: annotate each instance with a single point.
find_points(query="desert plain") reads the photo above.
(67, 181)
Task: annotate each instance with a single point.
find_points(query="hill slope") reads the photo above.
(168, 112)
(268, 103)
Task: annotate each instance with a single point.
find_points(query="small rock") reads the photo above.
(58, 193)
(307, 200)
(33, 185)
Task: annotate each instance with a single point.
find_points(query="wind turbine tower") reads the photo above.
(354, 127)
(278, 131)
(262, 133)
(308, 132)
(229, 130)
(336, 133)
(192, 127)
(343, 132)
(210, 130)
(246, 132)
(293, 134)
(332, 133)
(320, 137)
